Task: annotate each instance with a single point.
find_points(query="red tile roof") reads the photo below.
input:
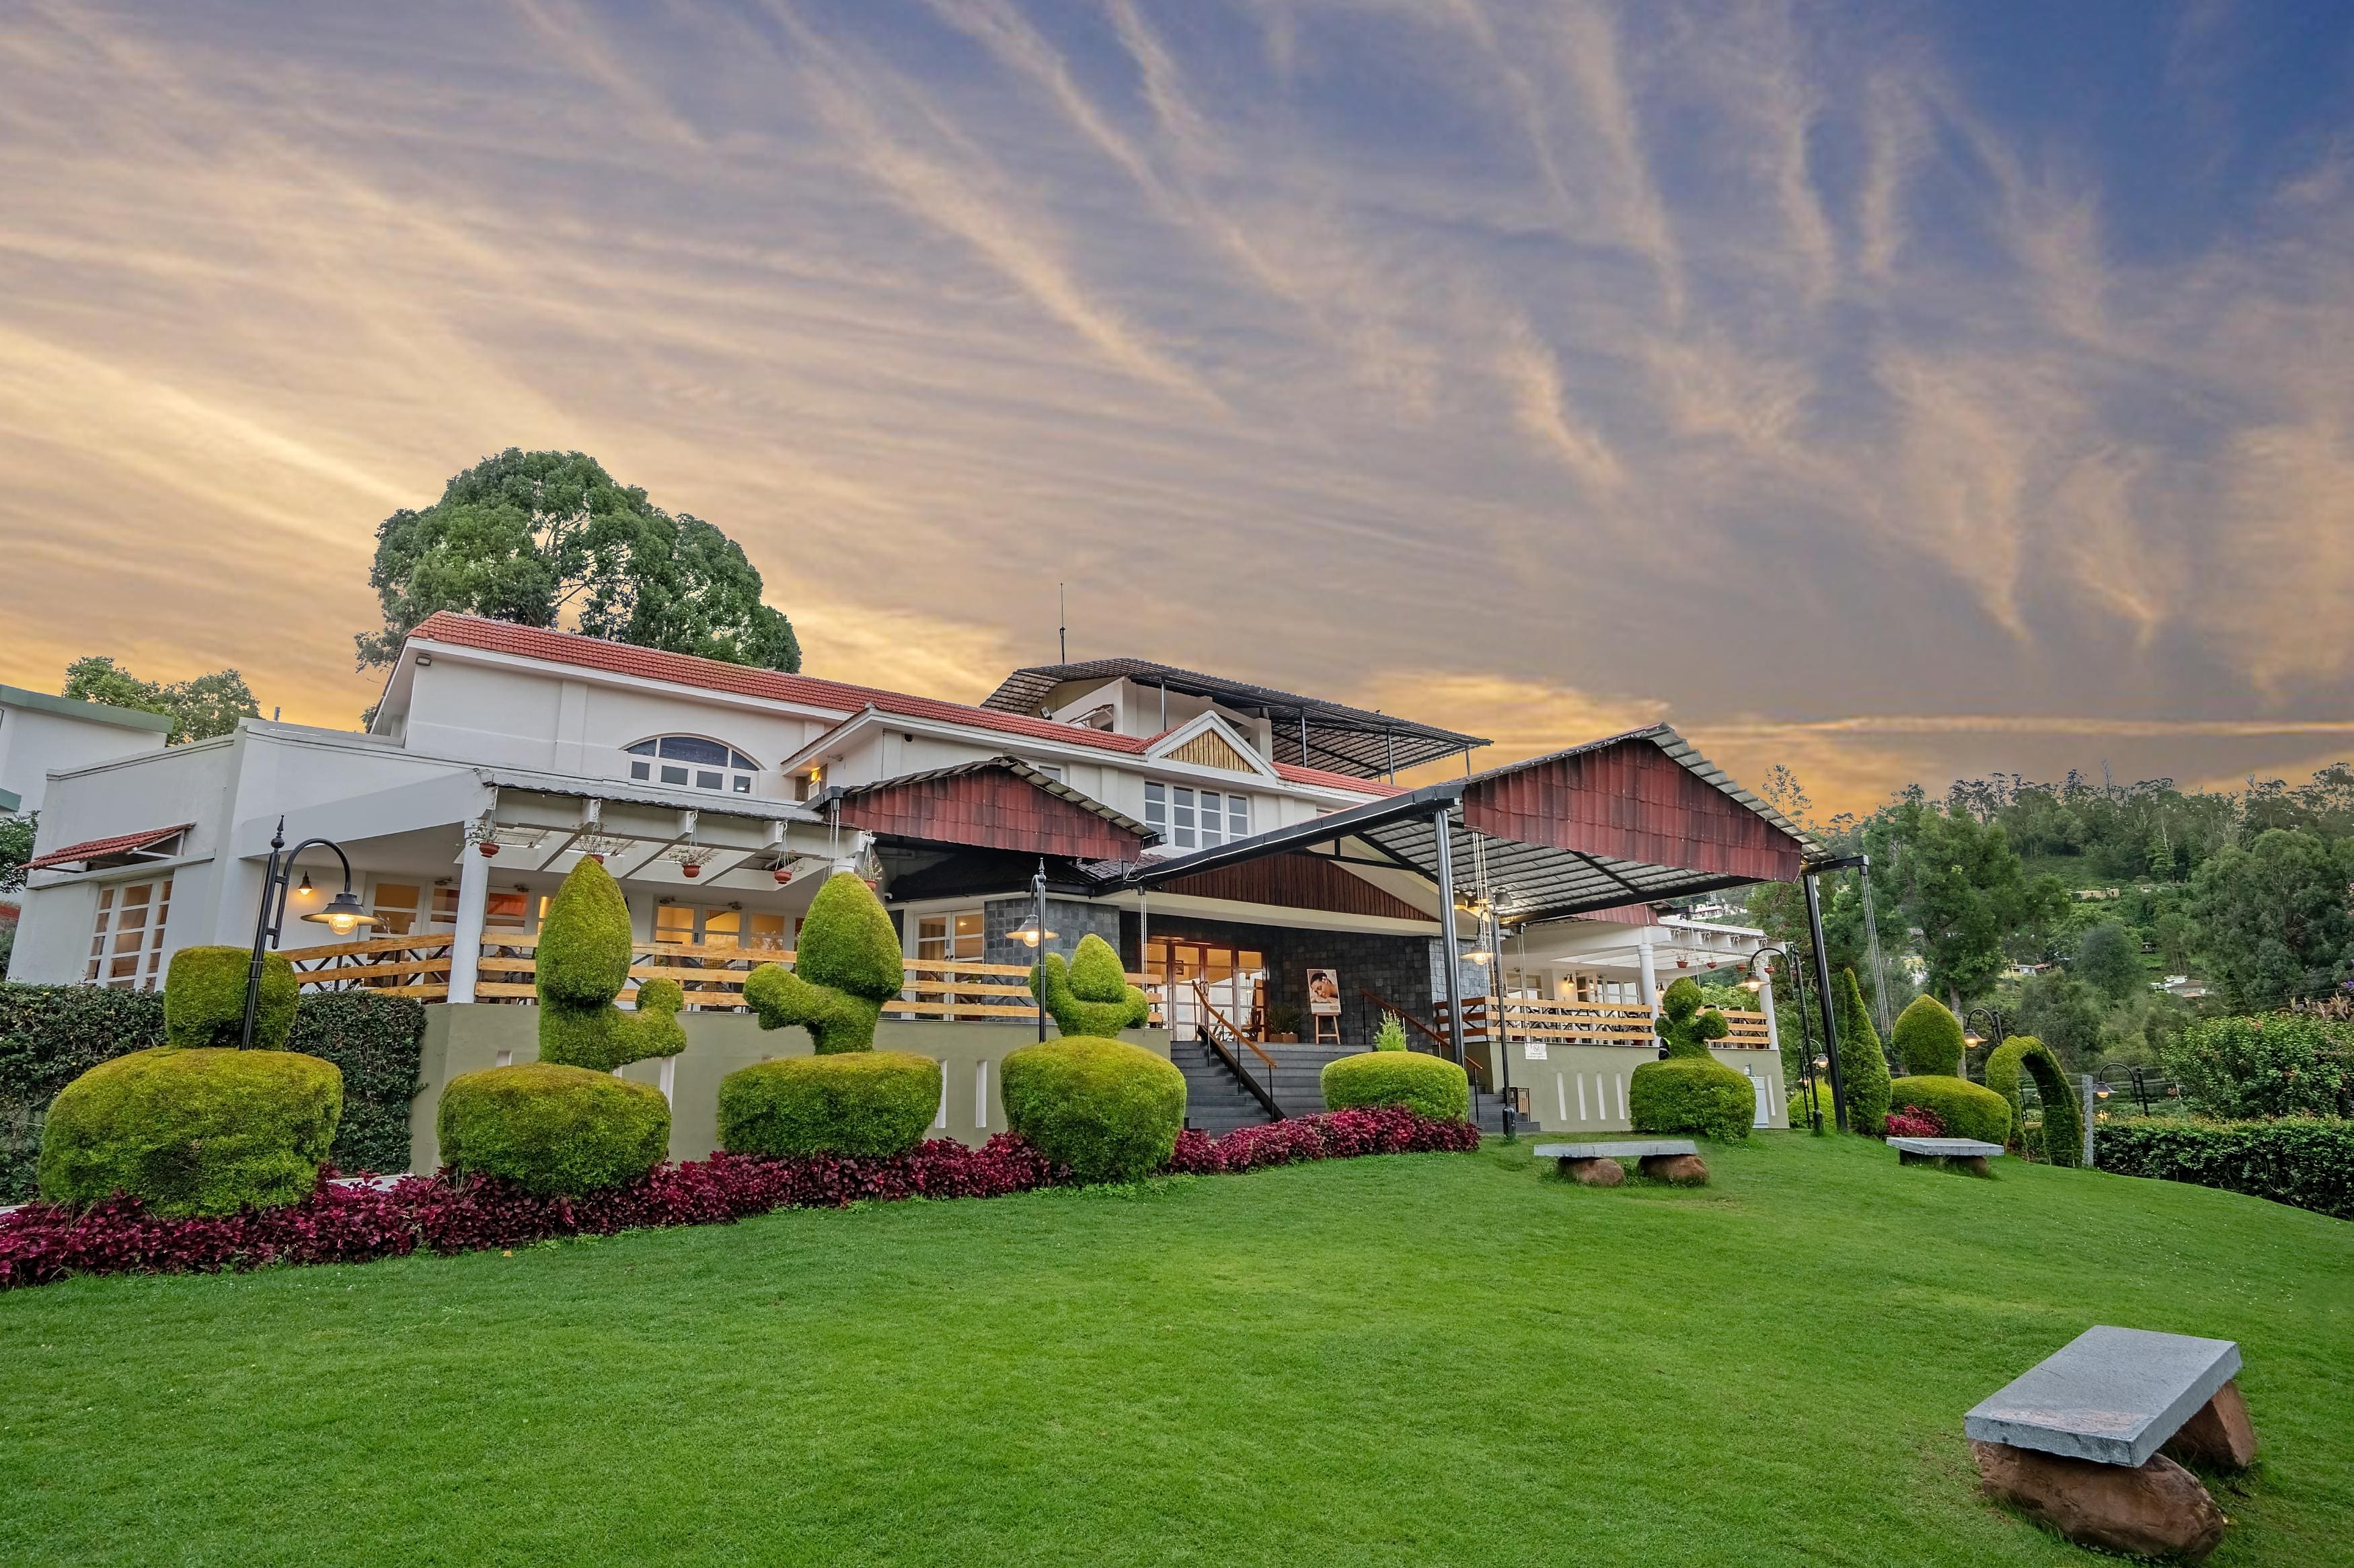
(98, 849)
(711, 675)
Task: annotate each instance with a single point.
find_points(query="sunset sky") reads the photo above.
(1890, 390)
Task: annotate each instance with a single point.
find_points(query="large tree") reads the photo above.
(550, 538)
(2108, 959)
(200, 708)
(2272, 917)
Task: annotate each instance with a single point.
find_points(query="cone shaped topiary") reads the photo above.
(1691, 1091)
(1863, 1065)
(1928, 1039)
(2063, 1140)
(1110, 1110)
(846, 965)
(204, 999)
(583, 963)
(1093, 997)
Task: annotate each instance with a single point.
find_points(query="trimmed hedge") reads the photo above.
(1691, 1094)
(1426, 1085)
(552, 1129)
(858, 1102)
(1091, 998)
(2268, 1065)
(1108, 1110)
(1929, 1040)
(2062, 1135)
(846, 965)
(1968, 1109)
(2303, 1161)
(204, 999)
(207, 1131)
(583, 963)
(52, 1034)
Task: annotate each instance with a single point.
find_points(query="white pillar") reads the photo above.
(1773, 1029)
(466, 941)
(2091, 1103)
(1651, 975)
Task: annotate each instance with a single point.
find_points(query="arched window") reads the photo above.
(691, 762)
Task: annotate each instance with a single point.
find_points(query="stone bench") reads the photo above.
(1672, 1160)
(2076, 1441)
(1955, 1153)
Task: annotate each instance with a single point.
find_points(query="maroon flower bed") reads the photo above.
(43, 1242)
(1913, 1122)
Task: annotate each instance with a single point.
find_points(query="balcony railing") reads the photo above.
(1589, 1023)
(711, 976)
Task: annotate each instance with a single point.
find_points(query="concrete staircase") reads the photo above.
(1214, 1101)
(1218, 1105)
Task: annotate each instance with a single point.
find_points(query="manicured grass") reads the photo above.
(1409, 1359)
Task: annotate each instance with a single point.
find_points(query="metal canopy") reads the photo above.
(1528, 882)
(1339, 738)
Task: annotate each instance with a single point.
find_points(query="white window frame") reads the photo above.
(734, 778)
(146, 955)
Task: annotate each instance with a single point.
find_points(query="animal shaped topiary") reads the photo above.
(1691, 1091)
(197, 1126)
(1929, 1040)
(847, 1098)
(1110, 1110)
(583, 963)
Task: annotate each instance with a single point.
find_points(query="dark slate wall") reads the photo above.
(1398, 967)
(1069, 920)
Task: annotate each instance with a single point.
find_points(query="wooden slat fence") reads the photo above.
(1586, 1023)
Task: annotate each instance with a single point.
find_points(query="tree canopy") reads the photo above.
(2274, 917)
(200, 708)
(550, 538)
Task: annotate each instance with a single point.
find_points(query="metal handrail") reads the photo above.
(1217, 1047)
(1203, 996)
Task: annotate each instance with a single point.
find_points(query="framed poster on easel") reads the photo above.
(1324, 1005)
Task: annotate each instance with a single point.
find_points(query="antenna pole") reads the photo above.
(1063, 631)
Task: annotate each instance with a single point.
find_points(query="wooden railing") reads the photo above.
(711, 976)
(1589, 1023)
(1218, 1032)
(1440, 1045)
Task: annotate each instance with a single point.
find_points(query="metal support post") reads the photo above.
(1823, 987)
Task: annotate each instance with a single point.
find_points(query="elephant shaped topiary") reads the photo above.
(848, 1098)
(197, 1126)
(1691, 1091)
(846, 965)
(1093, 996)
(584, 962)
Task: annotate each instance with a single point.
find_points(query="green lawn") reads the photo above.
(1425, 1358)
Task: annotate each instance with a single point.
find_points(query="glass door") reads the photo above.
(1226, 975)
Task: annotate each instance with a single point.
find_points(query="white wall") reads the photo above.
(34, 743)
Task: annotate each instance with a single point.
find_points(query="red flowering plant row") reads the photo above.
(1913, 1122)
(359, 1223)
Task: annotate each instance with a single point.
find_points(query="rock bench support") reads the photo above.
(2076, 1441)
(1670, 1160)
(1963, 1154)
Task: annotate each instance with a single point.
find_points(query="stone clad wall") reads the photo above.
(1396, 966)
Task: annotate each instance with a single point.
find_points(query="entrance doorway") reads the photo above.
(1228, 974)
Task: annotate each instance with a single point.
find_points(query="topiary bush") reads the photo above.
(846, 965)
(204, 999)
(1928, 1039)
(555, 1130)
(1108, 1110)
(583, 964)
(1687, 1024)
(1863, 1065)
(1968, 1109)
(1093, 998)
(2061, 1138)
(204, 1131)
(1696, 1095)
(1426, 1085)
(855, 1102)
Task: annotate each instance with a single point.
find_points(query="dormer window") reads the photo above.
(691, 762)
(1195, 819)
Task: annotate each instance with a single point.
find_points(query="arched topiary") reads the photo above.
(846, 965)
(1093, 997)
(1431, 1085)
(583, 963)
(1863, 1065)
(1691, 1091)
(2064, 1120)
(1928, 1038)
(204, 999)
(1110, 1110)
(555, 1130)
(206, 1131)
(850, 1102)
(1965, 1108)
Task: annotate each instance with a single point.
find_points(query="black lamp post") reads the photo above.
(1997, 1029)
(1757, 982)
(342, 916)
(1037, 936)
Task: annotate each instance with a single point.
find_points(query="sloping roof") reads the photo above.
(1354, 741)
(1001, 804)
(1019, 768)
(1542, 823)
(102, 849)
(453, 630)
(95, 712)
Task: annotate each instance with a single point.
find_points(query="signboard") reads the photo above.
(1533, 1051)
(1324, 993)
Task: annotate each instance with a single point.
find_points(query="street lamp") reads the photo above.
(1755, 982)
(1997, 1028)
(1036, 934)
(343, 914)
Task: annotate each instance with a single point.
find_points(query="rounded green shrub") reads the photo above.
(1928, 1039)
(1430, 1086)
(552, 1129)
(207, 1132)
(855, 1102)
(1697, 1095)
(1093, 996)
(1108, 1110)
(847, 967)
(1967, 1109)
(204, 999)
(2062, 1139)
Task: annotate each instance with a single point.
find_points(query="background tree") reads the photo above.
(2272, 917)
(544, 538)
(200, 708)
(2109, 960)
(2066, 1014)
(16, 848)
